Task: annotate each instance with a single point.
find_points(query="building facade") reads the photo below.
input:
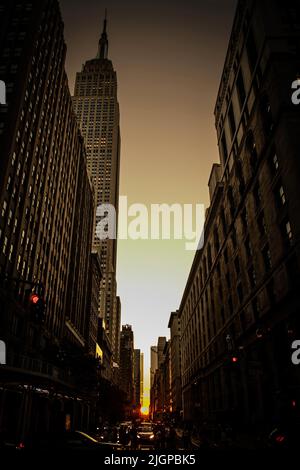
(175, 364)
(46, 223)
(153, 363)
(97, 109)
(92, 325)
(239, 312)
(142, 379)
(127, 363)
(160, 392)
(137, 378)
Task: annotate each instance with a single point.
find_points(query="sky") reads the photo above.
(169, 57)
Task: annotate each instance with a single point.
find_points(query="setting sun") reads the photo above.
(145, 410)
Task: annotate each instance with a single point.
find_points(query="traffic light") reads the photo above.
(234, 359)
(37, 307)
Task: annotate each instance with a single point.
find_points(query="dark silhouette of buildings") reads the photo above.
(48, 273)
(138, 375)
(127, 363)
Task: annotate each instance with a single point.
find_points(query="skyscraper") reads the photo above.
(153, 364)
(137, 377)
(142, 379)
(127, 362)
(175, 362)
(46, 224)
(97, 109)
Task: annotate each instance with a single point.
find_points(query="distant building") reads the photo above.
(160, 392)
(153, 363)
(161, 343)
(127, 362)
(175, 359)
(142, 380)
(138, 374)
(93, 306)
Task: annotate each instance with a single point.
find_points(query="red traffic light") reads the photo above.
(34, 298)
(234, 359)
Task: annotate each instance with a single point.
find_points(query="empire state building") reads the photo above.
(97, 110)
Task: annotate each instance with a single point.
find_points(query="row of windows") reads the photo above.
(287, 235)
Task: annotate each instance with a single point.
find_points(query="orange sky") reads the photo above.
(169, 57)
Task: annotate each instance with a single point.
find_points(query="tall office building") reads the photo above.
(161, 343)
(137, 377)
(153, 363)
(46, 223)
(175, 362)
(97, 109)
(127, 362)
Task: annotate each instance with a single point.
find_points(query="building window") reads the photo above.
(230, 306)
(240, 177)
(224, 148)
(251, 50)
(267, 258)
(266, 114)
(255, 309)
(226, 255)
(209, 257)
(251, 149)
(4, 246)
(252, 277)
(241, 88)
(274, 164)
(292, 268)
(243, 321)
(4, 207)
(231, 201)
(257, 196)
(234, 238)
(240, 292)
(262, 225)
(287, 232)
(223, 221)
(232, 123)
(244, 218)
(216, 241)
(248, 248)
(222, 315)
(228, 280)
(237, 266)
(280, 196)
(271, 292)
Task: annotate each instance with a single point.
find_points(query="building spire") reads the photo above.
(103, 41)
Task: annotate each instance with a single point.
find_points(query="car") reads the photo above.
(145, 435)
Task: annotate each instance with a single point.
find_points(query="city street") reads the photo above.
(150, 228)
